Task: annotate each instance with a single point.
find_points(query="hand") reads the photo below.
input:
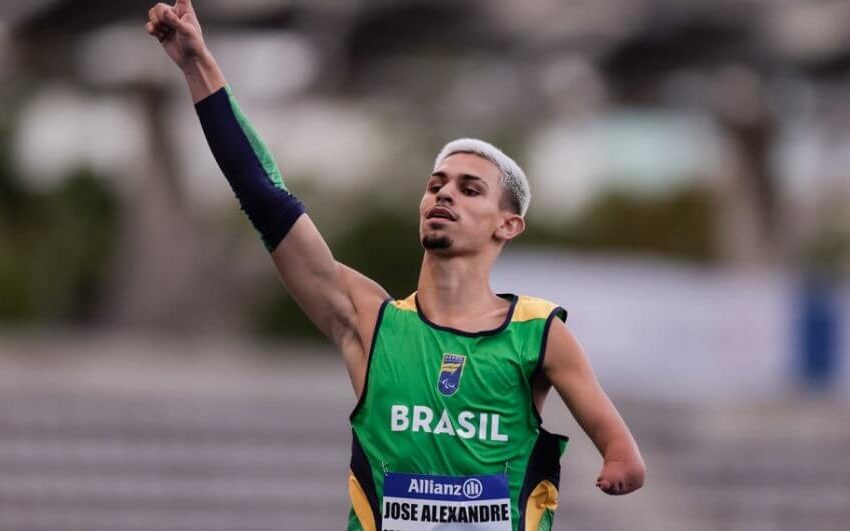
(619, 478)
(178, 30)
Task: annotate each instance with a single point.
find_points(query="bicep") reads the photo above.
(567, 367)
(333, 296)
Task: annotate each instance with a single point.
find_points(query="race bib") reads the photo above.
(417, 502)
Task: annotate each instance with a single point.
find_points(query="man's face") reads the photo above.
(462, 209)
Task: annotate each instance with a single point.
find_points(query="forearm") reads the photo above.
(245, 161)
(594, 411)
(203, 76)
(623, 468)
(250, 169)
(614, 440)
(598, 417)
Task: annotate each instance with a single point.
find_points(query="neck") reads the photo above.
(455, 286)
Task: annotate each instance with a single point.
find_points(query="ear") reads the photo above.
(512, 226)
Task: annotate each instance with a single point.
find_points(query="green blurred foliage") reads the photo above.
(679, 225)
(385, 245)
(828, 254)
(55, 247)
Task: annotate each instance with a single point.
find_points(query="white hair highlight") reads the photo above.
(514, 182)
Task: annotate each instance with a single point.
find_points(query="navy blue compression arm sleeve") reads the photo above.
(249, 167)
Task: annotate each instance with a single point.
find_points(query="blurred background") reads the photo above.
(690, 170)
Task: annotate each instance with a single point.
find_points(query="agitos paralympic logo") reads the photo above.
(450, 371)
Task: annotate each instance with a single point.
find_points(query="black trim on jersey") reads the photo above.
(544, 463)
(362, 398)
(507, 296)
(362, 470)
(562, 315)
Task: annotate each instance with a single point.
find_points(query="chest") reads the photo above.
(443, 370)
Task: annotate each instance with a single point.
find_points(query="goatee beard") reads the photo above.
(436, 243)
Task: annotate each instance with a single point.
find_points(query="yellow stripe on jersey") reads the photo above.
(528, 308)
(408, 304)
(543, 497)
(360, 504)
(450, 367)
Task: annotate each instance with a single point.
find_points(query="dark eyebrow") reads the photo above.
(479, 180)
(463, 177)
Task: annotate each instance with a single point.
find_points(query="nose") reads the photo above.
(444, 195)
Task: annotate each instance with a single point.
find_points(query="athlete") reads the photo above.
(450, 380)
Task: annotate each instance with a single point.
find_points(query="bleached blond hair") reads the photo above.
(514, 181)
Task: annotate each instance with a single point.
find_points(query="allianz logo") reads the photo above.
(471, 488)
(466, 424)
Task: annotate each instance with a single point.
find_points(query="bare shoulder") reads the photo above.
(563, 351)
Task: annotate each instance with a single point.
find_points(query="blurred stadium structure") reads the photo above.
(691, 184)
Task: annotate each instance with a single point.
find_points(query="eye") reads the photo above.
(471, 191)
(434, 188)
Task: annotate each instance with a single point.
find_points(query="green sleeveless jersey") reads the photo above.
(446, 434)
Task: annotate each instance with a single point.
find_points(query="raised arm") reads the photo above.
(567, 368)
(341, 302)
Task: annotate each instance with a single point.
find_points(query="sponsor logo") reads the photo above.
(472, 488)
(469, 489)
(450, 372)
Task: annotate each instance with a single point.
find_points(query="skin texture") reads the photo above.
(462, 241)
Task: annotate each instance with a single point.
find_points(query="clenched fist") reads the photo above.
(178, 30)
(618, 477)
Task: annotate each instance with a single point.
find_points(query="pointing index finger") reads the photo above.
(183, 4)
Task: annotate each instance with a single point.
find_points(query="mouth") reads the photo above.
(438, 212)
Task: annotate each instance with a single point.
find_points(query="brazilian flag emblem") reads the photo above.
(450, 372)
